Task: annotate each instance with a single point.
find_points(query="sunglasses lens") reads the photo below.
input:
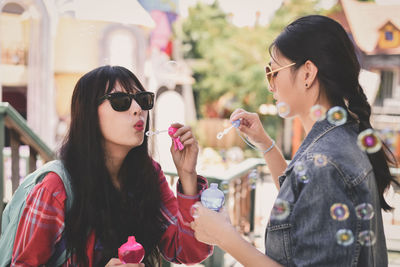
(145, 100)
(120, 102)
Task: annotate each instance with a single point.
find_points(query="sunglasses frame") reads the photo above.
(270, 71)
(135, 97)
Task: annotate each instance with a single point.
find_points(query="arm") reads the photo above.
(185, 161)
(252, 127)
(215, 228)
(41, 223)
(178, 243)
(315, 234)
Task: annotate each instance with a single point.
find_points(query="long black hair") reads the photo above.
(98, 206)
(324, 42)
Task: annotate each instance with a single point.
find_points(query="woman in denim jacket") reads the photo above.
(328, 209)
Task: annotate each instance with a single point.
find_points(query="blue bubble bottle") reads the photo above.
(213, 198)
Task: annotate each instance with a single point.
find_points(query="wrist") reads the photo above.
(266, 143)
(224, 238)
(188, 182)
(187, 175)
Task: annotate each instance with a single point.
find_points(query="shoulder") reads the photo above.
(160, 173)
(156, 165)
(51, 185)
(338, 148)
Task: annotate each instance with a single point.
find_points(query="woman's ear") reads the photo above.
(310, 73)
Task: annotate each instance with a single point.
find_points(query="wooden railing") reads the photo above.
(20, 134)
(239, 198)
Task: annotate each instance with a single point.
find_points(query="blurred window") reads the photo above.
(389, 35)
(122, 49)
(385, 88)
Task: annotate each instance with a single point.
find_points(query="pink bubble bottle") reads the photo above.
(131, 251)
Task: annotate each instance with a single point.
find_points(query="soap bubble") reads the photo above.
(280, 210)
(300, 168)
(253, 175)
(339, 211)
(303, 179)
(224, 186)
(171, 67)
(365, 211)
(337, 115)
(344, 237)
(369, 141)
(367, 238)
(317, 113)
(320, 160)
(283, 109)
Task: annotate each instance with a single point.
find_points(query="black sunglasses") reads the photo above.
(122, 101)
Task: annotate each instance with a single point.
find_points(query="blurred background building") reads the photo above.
(46, 46)
(202, 59)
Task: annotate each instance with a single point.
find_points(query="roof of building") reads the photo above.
(365, 19)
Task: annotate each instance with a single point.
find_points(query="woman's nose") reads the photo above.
(135, 108)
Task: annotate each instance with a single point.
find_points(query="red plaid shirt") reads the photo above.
(42, 224)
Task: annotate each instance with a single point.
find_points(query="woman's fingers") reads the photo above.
(117, 262)
(114, 262)
(235, 113)
(186, 136)
(181, 129)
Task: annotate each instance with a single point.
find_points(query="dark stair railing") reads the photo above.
(20, 134)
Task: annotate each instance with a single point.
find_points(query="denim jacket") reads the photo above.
(327, 211)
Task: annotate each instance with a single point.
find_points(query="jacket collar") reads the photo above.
(319, 129)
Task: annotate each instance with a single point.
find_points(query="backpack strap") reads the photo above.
(60, 253)
(58, 167)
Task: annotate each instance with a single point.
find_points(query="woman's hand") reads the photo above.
(209, 226)
(251, 126)
(117, 262)
(185, 160)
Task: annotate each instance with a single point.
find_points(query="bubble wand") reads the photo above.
(236, 124)
(171, 131)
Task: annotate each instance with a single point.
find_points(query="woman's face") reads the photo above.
(122, 129)
(286, 85)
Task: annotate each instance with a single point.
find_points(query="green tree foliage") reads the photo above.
(229, 62)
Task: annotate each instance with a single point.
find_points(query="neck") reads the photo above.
(114, 160)
(306, 119)
(307, 123)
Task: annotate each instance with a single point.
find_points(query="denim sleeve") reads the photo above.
(323, 218)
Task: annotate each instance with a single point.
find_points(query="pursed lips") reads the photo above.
(139, 126)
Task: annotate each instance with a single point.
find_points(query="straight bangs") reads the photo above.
(125, 78)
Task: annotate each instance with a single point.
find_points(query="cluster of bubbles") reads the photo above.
(345, 237)
(368, 141)
(338, 211)
(252, 180)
